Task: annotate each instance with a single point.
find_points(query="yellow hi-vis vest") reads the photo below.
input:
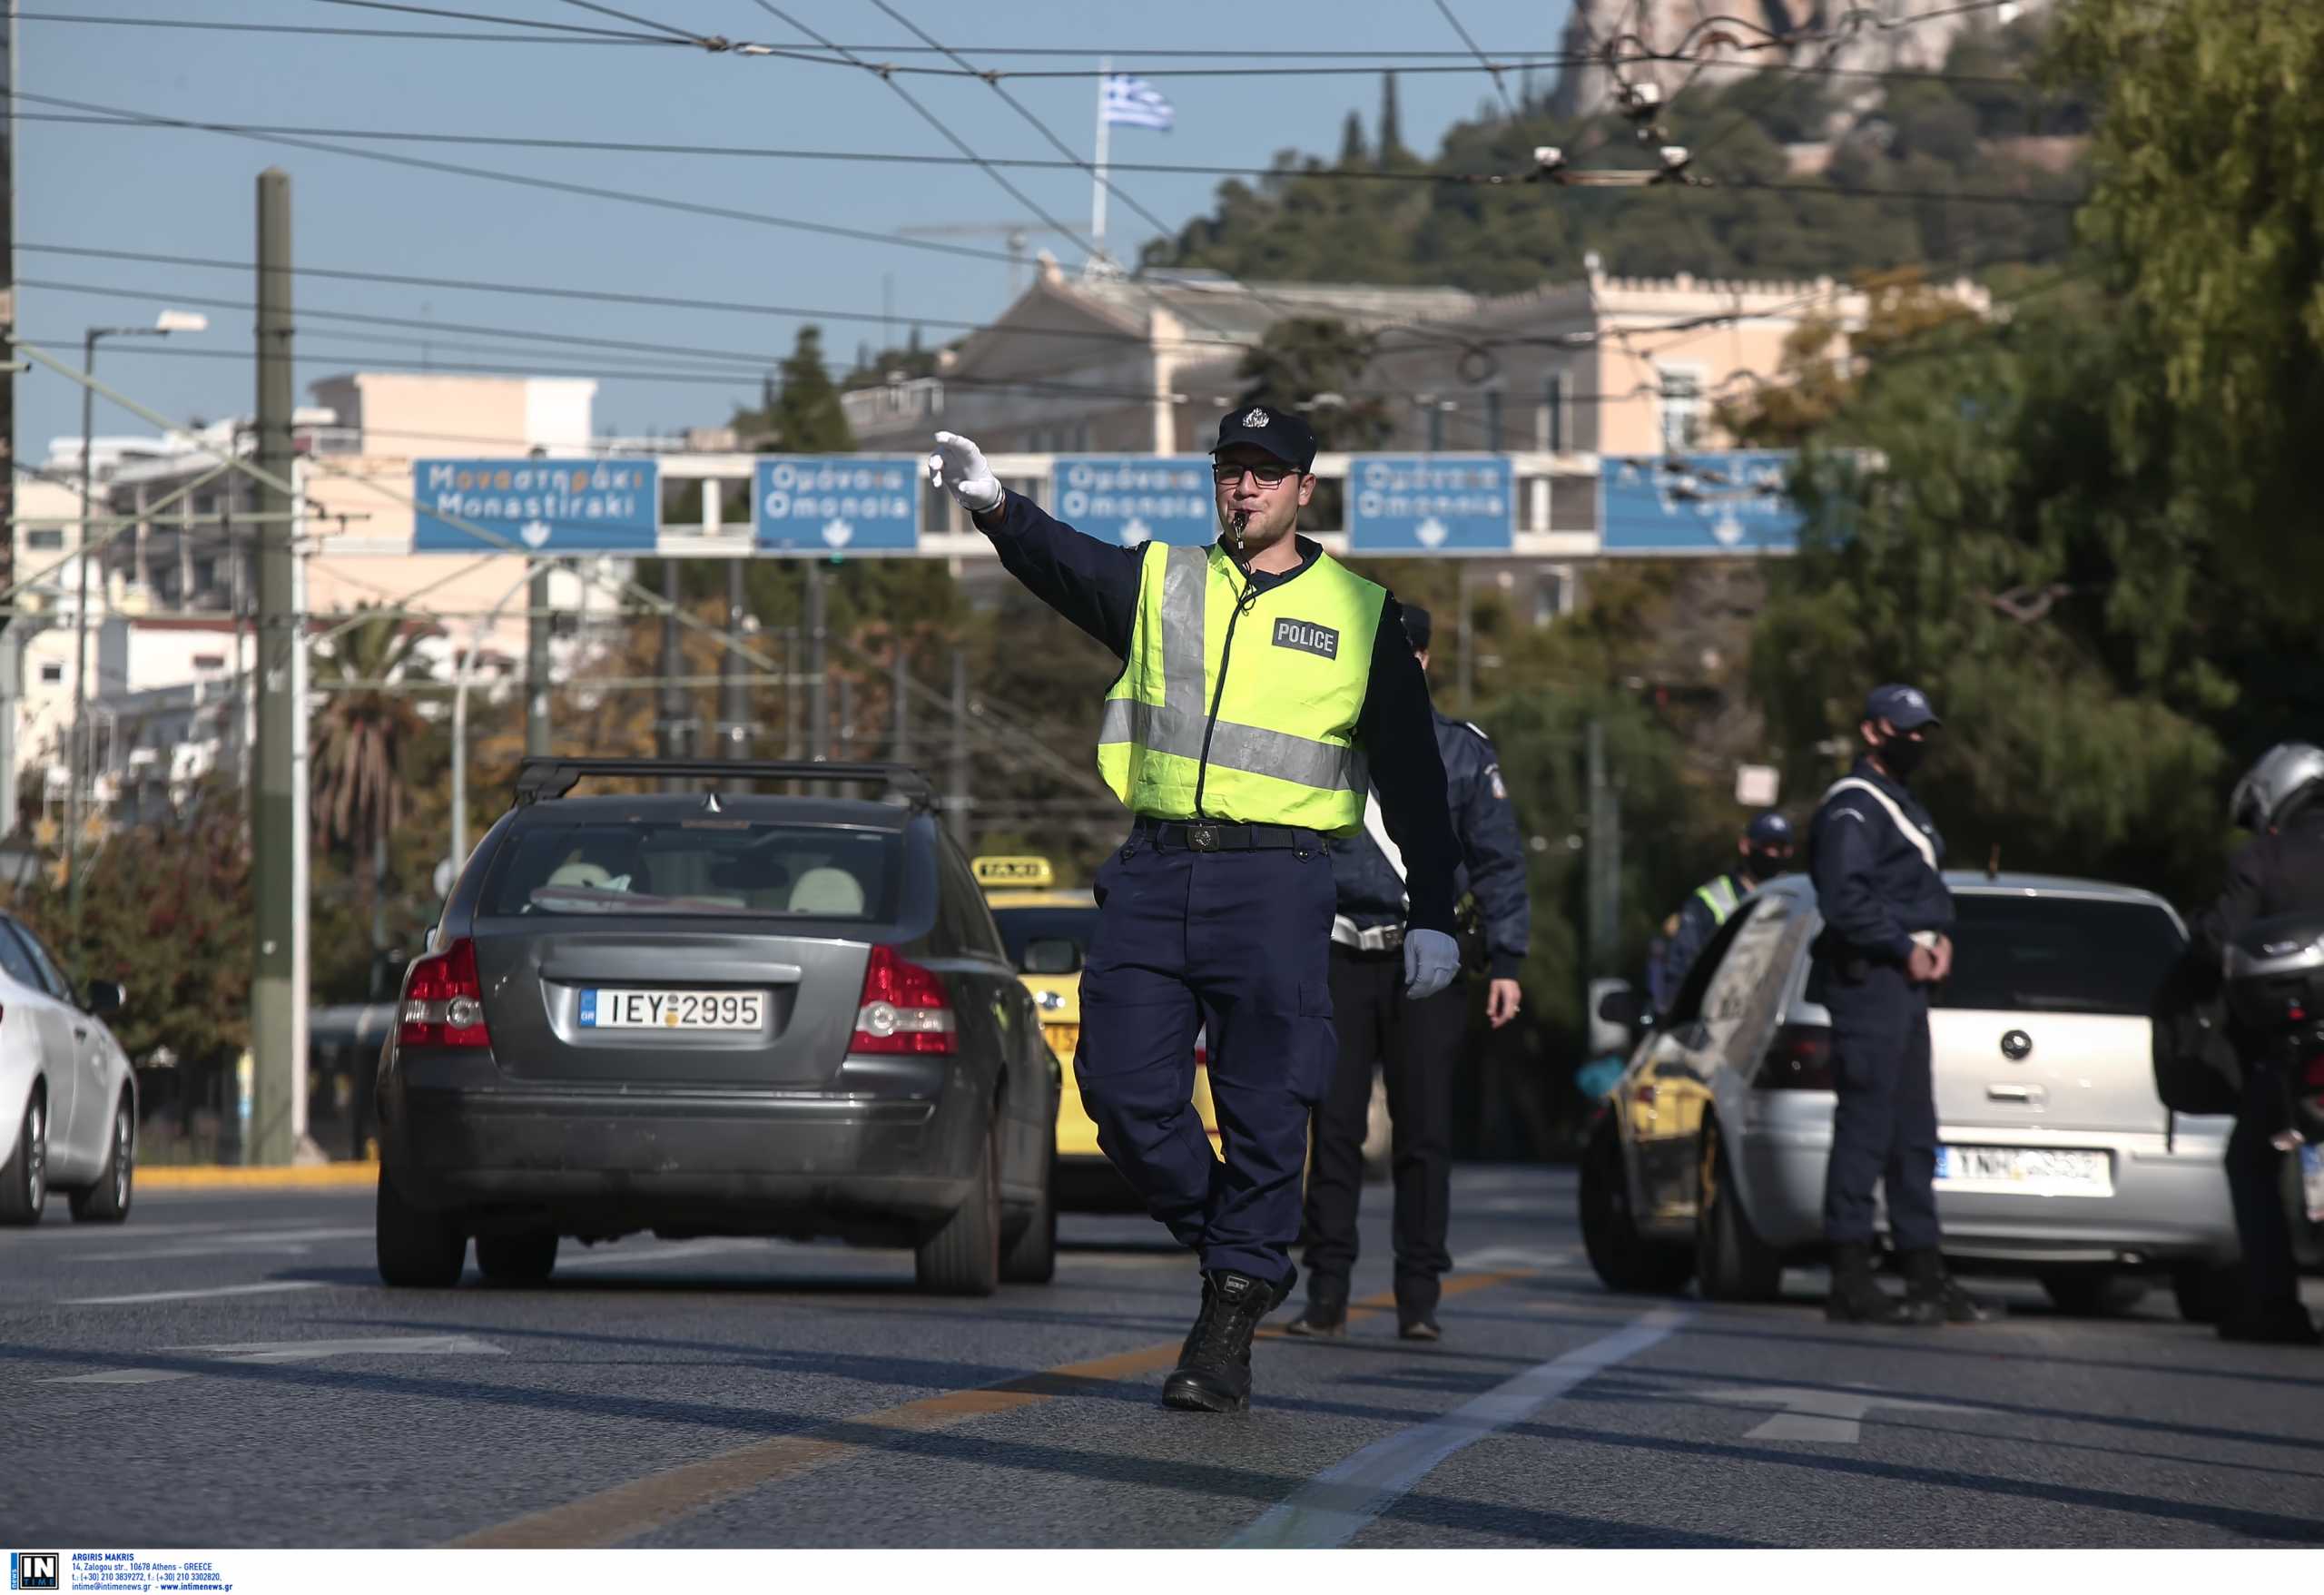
(1239, 704)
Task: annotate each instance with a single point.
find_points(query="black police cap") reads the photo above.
(1278, 431)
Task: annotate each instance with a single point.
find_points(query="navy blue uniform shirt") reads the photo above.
(1095, 585)
(1493, 853)
(1874, 886)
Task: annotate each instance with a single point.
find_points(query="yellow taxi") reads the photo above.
(1048, 929)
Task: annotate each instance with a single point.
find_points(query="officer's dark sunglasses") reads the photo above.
(1266, 476)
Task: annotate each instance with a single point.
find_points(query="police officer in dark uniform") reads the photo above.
(2280, 871)
(1260, 679)
(1766, 847)
(1875, 858)
(1413, 1041)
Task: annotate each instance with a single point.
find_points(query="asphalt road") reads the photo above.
(227, 1370)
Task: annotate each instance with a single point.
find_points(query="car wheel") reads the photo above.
(1031, 1257)
(23, 1184)
(1732, 1264)
(417, 1249)
(2094, 1293)
(1610, 1229)
(527, 1258)
(963, 1258)
(107, 1201)
(2206, 1292)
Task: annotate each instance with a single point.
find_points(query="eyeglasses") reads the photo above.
(1265, 476)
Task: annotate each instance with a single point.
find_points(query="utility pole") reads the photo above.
(819, 720)
(673, 740)
(734, 696)
(537, 670)
(12, 658)
(274, 1001)
(957, 800)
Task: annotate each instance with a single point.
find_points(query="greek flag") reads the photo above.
(1132, 102)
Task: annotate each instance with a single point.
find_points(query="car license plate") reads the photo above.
(2311, 1179)
(2034, 1171)
(606, 1009)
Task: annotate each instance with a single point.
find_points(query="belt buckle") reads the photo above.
(1203, 839)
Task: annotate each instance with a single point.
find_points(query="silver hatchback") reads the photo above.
(2057, 1157)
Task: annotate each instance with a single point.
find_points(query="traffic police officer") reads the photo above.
(1411, 1040)
(2280, 871)
(1766, 847)
(1260, 676)
(1876, 857)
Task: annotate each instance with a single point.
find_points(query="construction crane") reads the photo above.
(1019, 235)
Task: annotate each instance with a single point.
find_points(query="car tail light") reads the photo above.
(443, 1002)
(903, 1008)
(2314, 1074)
(1800, 1059)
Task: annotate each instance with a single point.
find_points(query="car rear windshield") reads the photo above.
(2058, 955)
(699, 866)
(1019, 927)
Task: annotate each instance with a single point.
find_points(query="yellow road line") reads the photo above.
(626, 1511)
(296, 1177)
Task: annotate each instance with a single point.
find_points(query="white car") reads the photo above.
(68, 1098)
(2057, 1157)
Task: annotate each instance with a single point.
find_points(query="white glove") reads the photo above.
(1431, 961)
(958, 467)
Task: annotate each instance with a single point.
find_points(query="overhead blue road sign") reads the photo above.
(838, 504)
(536, 506)
(1731, 502)
(1430, 504)
(1133, 498)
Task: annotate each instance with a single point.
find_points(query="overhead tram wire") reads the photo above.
(1500, 87)
(521, 22)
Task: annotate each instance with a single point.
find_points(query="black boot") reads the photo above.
(1926, 1281)
(1214, 1370)
(2279, 1322)
(1856, 1298)
(1326, 1314)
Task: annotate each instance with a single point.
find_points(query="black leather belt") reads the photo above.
(1214, 836)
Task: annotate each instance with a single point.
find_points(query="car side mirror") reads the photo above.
(1051, 955)
(1621, 1006)
(105, 999)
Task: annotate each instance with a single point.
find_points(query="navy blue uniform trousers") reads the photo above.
(1884, 1127)
(1236, 946)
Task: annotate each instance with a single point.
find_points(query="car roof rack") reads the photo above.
(540, 777)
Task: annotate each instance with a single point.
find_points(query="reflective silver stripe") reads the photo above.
(1284, 756)
(1185, 582)
(1161, 730)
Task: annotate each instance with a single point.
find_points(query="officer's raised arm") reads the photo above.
(1092, 584)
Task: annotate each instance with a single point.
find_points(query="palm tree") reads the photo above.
(360, 735)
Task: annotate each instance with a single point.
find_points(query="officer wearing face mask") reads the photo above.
(1766, 847)
(1875, 858)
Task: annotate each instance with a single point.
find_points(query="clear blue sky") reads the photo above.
(191, 193)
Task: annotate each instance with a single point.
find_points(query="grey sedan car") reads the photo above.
(2057, 1157)
(716, 1013)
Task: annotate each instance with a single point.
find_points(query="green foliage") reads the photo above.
(2209, 194)
(1300, 357)
(800, 412)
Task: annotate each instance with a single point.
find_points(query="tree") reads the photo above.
(1353, 153)
(2209, 200)
(1314, 364)
(363, 734)
(799, 410)
(1392, 153)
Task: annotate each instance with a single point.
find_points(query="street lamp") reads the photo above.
(167, 322)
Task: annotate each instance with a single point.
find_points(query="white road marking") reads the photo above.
(1834, 1417)
(664, 1252)
(287, 1240)
(1334, 1506)
(386, 1345)
(270, 1287)
(1493, 1257)
(295, 1351)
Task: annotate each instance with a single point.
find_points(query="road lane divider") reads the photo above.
(624, 1511)
(268, 1288)
(1338, 1503)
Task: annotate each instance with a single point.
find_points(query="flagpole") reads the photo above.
(1098, 189)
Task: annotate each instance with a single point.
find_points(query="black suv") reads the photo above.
(712, 1013)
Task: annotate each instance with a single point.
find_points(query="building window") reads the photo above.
(52, 674)
(1493, 420)
(1435, 426)
(1549, 433)
(206, 575)
(46, 539)
(1683, 418)
(210, 661)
